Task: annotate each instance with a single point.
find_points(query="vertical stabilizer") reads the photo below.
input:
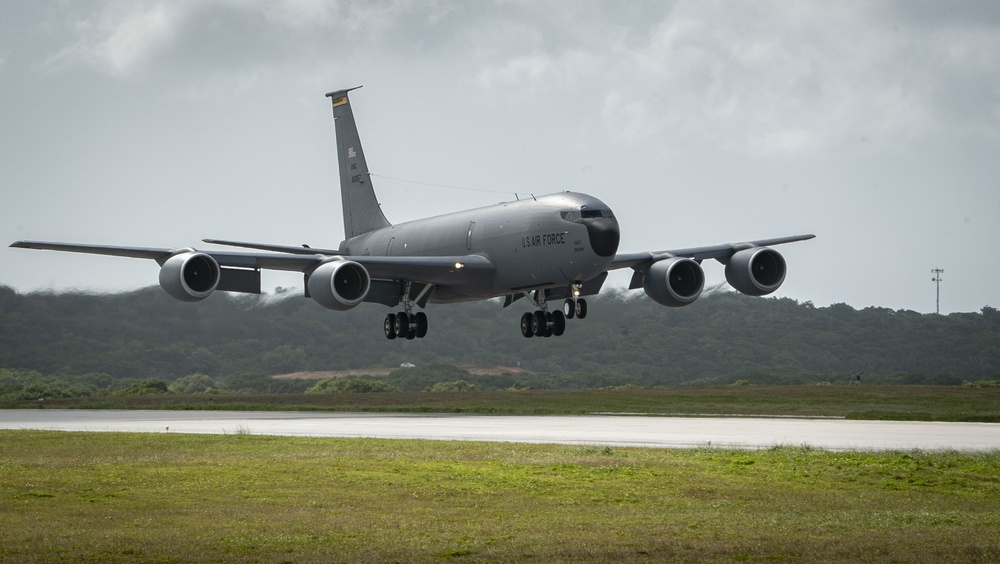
(361, 209)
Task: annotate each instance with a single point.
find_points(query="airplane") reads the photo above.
(553, 248)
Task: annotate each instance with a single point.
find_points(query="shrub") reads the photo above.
(350, 386)
(453, 386)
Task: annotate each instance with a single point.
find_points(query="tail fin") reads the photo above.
(361, 209)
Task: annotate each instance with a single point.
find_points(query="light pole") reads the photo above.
(937, 279)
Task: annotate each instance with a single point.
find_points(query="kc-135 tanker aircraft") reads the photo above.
(555, 248)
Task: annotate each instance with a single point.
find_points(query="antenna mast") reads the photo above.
(937, 279)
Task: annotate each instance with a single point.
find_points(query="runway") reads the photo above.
(613, 430)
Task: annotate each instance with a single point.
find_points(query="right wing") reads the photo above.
(270, 261)
(238, 268)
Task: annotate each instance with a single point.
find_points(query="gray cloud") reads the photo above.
(875, 124)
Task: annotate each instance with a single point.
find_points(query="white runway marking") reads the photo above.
(628, 430)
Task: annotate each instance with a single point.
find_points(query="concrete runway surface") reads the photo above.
(615, 430)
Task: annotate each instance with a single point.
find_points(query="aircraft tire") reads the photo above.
(558, 323)
(526, 325)
(402, 324)
(389, 326)
(569, 308)
(539, 323)
(411, 334)
(421, 325)
(581, 308)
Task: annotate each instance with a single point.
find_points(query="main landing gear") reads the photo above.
(545, 323)
(405, 325)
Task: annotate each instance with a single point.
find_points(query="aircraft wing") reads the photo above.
(270, 261)
(303, 250)
(723, 252)
(433, 270)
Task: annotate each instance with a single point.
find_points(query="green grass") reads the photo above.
(928, 403)
(159, 497)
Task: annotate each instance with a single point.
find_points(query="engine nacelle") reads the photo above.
(190, 276)
(757, 271)
(339, 284)
(674, 282)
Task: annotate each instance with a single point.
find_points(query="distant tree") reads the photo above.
(350, 385)
(192, 384)
(725, 336)
(453, 386)
(145, 387)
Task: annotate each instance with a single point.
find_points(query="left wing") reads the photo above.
(675, 278)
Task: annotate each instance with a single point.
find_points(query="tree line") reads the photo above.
(236, 343)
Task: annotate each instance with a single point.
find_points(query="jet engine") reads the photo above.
(757, 271)
(674, 282)
(339, 284)
(190, 276)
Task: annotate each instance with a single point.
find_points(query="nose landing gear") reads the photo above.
(545, 323)
(575, 307)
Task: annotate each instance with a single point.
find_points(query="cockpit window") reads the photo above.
(576, 215)
(597, 213)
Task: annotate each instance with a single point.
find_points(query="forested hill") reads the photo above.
(146, 334)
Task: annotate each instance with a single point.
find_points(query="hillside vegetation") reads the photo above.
(237, 343)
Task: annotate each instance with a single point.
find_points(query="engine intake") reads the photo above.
(674, 282)
(757, 271)
(339, 284)
(190, 276)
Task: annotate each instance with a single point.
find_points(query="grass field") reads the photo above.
(927, 403)
(124, 497)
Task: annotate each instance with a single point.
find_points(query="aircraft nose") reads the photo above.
(604, 235)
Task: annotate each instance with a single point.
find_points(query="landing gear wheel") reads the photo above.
(558, 323)
(412, 334)
(421, 325)
(402, 325)
(581, 308)
(569, 308)
(526, 329)
(389, 326)
(538, 323)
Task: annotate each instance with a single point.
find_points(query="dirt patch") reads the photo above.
(322, 375)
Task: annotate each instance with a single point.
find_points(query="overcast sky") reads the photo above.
(874, 125)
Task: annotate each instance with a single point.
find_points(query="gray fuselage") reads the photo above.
(546, 242)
